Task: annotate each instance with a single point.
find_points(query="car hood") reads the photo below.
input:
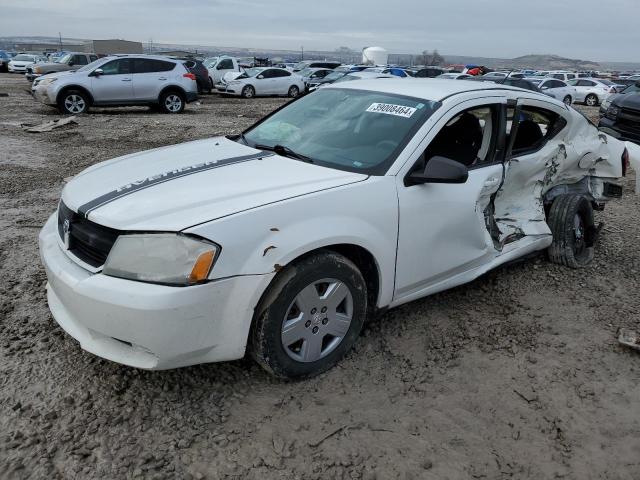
(627, 100)
(176, 187)
(52, 65)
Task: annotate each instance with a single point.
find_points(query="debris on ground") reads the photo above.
(50, 125)
(629, 338)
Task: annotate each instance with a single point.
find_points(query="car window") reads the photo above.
(79, 60)
(120, 66)
(535, 127)
(279, 73)
(469, 137)
(146, 65)
(225, 64)
(93, 58)
(347, 129)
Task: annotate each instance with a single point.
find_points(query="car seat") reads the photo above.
(460, 141)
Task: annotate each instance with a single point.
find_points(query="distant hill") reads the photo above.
(538, 62)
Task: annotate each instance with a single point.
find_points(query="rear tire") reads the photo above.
(572, 225)
(172, 101)
(248, 92)
(591, 100)
(73, 102)
(310, 316)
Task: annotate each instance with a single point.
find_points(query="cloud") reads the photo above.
(588, 29)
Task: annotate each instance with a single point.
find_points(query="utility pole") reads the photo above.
(302, 53)
(60, 39)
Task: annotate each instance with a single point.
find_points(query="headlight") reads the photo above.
(234, 82)
(166, 258)
(46, 81)
(36, 70)
(612, 112)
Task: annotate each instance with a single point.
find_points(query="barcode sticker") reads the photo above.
(390, 109)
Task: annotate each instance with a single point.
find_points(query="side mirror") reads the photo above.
(219, 67)
(439, 170)
(544, 88)
(260, 77)
(97, 72)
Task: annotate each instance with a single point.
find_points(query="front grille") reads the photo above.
(629, 120)
(87, 240)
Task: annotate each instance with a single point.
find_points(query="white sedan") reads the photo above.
(263, 81)
(281, 241)
(592, 91)
(554, 88)
(20, 62)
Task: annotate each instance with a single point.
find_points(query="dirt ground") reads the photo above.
(516, 375)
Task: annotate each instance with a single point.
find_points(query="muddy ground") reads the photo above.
(516, 375)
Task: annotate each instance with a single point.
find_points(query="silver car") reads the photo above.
(554, 88)
(592, 91)
(119, 80)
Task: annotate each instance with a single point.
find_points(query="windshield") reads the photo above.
(334, 76)
(347, 78)
(606, 82)
(64, 58)
(91, 65)
(632, 89)
(210, 62)
(353, 130)
(306, 72)
(301, 65)
(535, 81)
(24, 58)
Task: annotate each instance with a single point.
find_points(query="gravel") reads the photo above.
(515, 375)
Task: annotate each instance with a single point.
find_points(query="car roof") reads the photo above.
(425, 88)
(144, 55)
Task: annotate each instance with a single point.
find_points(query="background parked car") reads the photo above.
(455, 76)
(622, 118)
(201, 72)
(428, 72)
(591, 91)
(264, 81)
(315, 64)
(120, 81)
(564, 76)
(604, 106)
(330, 78)
(70, 61)
(19, 63)
(311, 74)
(554, 88)
(4, 61)
(218, 67)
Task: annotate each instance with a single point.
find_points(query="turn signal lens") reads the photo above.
(189, 75)
(202, 267)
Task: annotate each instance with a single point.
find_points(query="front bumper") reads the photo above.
(41, 93)
(611, 127)
(145, 325)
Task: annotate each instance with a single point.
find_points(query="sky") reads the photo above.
(587, 29)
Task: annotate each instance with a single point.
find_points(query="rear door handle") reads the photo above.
(126, 79)
(162, 78)
(492, 182)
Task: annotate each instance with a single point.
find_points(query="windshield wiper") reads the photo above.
(285, 152)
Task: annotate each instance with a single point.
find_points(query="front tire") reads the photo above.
(172, 102)
(293, 92)
(568, 100)
(73, 102)
(591, 100)
(572, 225)
(310, 316)
(248, 92)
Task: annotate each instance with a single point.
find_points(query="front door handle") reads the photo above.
(492, 182)
(126, 79)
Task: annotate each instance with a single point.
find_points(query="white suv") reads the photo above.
(120, 80)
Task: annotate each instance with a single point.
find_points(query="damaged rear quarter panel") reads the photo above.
(579, 151)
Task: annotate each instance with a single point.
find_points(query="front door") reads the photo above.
(445, 229)
(114, 84)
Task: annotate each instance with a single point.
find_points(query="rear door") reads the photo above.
(149, 77)
(281, 81)
(445, 229)
(115, 83)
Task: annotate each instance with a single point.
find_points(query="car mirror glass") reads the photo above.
(260, 77)
(97, 72)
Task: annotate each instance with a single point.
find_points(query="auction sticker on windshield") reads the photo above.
(390, 109)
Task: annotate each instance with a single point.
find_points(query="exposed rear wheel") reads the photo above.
(73, 102)
(591, 100)
(572, 225)
(310, 317)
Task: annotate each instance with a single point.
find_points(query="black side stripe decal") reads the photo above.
(164, 177)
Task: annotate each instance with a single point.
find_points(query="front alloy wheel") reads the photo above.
(74, 102)
(310, 316)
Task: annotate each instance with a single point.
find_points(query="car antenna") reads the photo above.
(505, 78)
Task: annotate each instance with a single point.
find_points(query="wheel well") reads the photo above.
(172, 88)
(366, 263)
(75, 87)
